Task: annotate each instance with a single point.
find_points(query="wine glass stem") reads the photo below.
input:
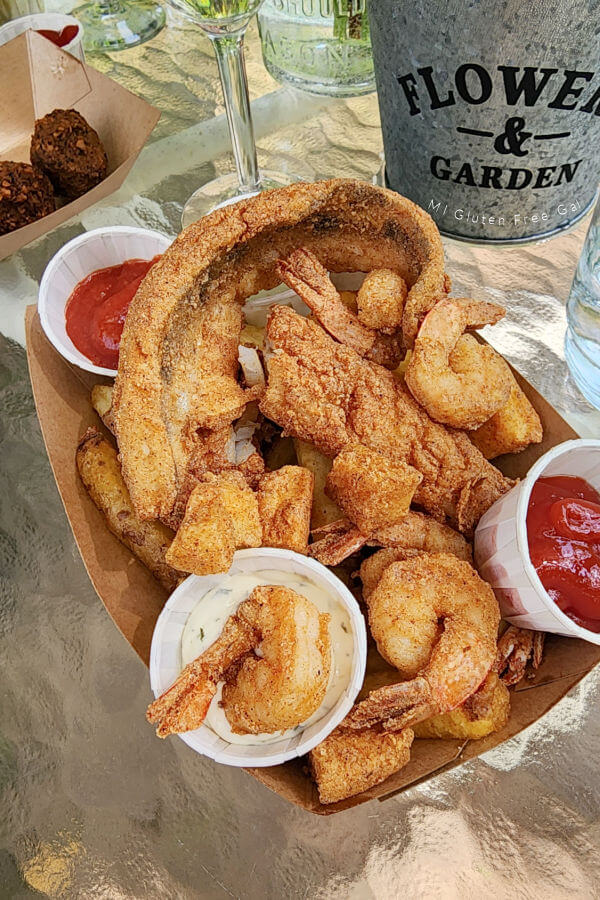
(229, 50)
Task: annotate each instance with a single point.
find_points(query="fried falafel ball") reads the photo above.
(69, 152)
(25, 195)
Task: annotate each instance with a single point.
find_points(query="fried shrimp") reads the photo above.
(520, 653)
(415, 533)
(463, 389)
(277, 690)
(436, 621)
(305, 275)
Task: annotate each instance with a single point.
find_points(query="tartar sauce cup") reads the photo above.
(166, 664)
(92, 250)
(502, 551)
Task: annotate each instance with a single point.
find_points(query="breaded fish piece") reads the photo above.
(485, 711)
(325, 393)
(100, 472)
(284, 503)
(347, 763)
(511, 429)
(204, 543)
(241, 504)
(371, 489)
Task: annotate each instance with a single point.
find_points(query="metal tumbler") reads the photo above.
(490, 111)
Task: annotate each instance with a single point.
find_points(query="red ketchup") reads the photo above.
(60, 38)
(563, 531)
(95, 311)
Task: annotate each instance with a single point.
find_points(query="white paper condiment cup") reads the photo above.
(48, 22)
(501, 549)
(76, 260)
(165, 656)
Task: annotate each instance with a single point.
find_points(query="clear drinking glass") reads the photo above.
(225, 22)
(319, 46)
(118, 24)
(582, 340)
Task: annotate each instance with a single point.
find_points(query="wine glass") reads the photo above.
(225, 22)
(118, 24)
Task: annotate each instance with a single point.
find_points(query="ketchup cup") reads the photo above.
(502, 551)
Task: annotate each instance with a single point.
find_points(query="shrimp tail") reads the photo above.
(185, 705)
(393, 707)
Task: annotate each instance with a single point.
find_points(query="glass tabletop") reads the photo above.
(93, 804)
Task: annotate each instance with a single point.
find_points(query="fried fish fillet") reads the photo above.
(325, 393)
(180, 342)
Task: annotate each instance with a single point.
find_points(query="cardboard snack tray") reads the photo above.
(37, 77)
(134, 599)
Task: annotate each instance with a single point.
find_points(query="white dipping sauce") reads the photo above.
(208, 617)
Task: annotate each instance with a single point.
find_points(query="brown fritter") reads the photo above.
(347, 763)
(372, 490)
(68, 150)
(284, 503)
(325, 393)
(25, 195)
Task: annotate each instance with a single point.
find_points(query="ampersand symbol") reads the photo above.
(513, 137)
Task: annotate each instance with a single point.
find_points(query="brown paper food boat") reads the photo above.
(37, 77)
(134, 599)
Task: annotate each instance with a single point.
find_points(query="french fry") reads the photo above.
(349, 762)
(102, 403)
(100, 473)
(284, 503)
(486, 711)
(324, 510)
